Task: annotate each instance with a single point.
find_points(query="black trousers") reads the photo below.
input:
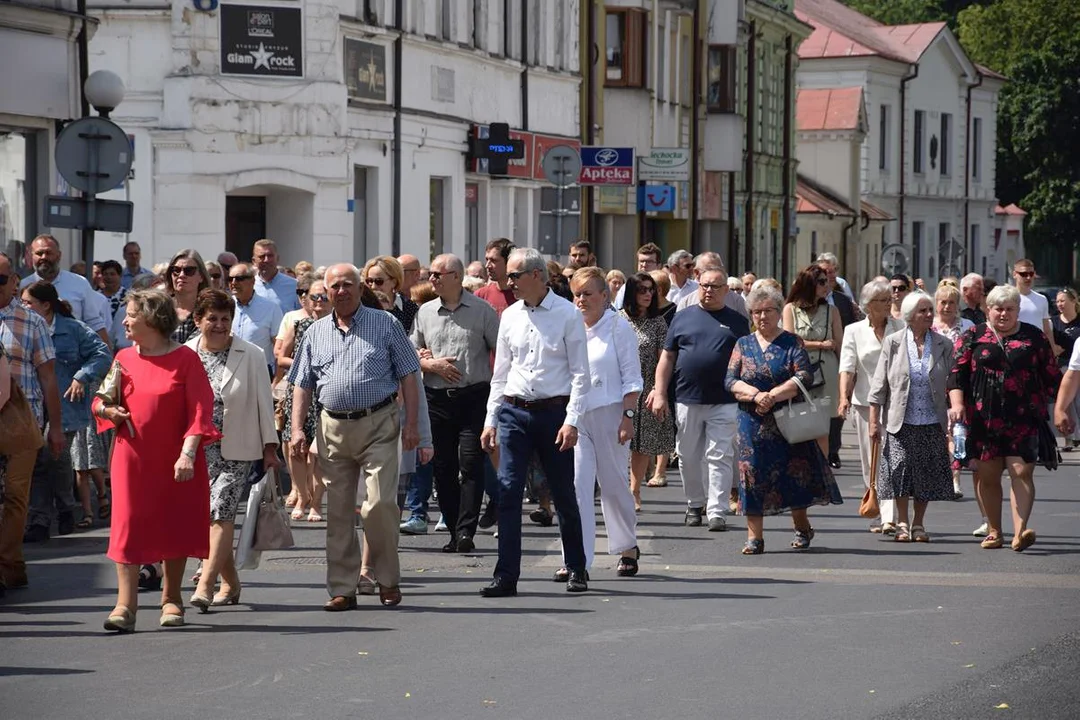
(836, 428)
(457, 420)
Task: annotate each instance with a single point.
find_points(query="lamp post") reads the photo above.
(104, 90)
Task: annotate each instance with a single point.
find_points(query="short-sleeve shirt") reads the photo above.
(281, 289)
(87, 304)
(1034, 308)
(468, 333)
(1074, 359)
(258, 323)
(28, 344)
(354, 369)
(498, 299)
(703, 340)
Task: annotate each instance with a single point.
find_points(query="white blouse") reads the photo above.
(859, 355)
(613, 361)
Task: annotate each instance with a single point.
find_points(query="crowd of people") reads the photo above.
(161, 395)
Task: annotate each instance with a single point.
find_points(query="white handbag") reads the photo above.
(247, 557)
(800, 422)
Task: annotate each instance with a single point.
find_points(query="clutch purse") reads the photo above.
(109, 390)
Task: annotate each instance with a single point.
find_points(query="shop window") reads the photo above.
(17, 192)
(722, 76)
(625, 31)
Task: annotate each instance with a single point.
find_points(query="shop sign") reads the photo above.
(365, 70)
(262, 40)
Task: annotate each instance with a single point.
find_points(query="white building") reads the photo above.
(289, 121)
(928, 156)
(39, 87)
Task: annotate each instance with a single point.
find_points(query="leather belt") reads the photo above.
(459, 392)
(559, 401)
(357, 414)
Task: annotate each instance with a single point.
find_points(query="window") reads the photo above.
(813, 244)
(18, 196)
(976, 242)
(625, 31)
(660, 84)
(722, 79)
(946, 144)
(920, 141)
(976, 149)
(883, 138)
(916, 247)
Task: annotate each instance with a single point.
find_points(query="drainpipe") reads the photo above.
(785, 222)
(844, 236)
(86, 236)
(590, 59)
(751, 119)
(903, 144)
(525, 64)
(968, 259)
(696, 61)
(399, 50)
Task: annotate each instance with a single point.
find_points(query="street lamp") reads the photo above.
(104, 90)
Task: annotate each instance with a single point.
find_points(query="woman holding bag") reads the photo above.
(774, 475)
(809, 315)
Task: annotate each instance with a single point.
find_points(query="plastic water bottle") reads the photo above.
(959, 436)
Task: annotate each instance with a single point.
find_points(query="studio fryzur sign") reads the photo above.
(262, 41)
(365, 70)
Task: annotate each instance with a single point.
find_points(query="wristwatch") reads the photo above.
(189, 453)
(629, 414)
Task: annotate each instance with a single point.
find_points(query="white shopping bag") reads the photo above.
(246, 557)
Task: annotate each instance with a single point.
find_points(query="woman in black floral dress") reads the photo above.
(1002, 380)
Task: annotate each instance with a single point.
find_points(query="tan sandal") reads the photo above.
(657, 482)
(1024, 540)
(171, 619)
(903, 534)
(120, 620)
(992, 541)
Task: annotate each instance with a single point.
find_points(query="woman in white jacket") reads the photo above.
(602, 453)
(244, 413)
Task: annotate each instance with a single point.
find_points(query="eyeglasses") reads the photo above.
(688, 266)
(186, 271)
(898, 288)
(710, 287)
(215, 276)
(438, 275)
(1026, 274)
(515, 276)
(642, 289)
(764, 311)
(240, 278)
(301, 293)
(318, 297)
(378, 282)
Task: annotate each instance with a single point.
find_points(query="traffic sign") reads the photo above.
(656, 198)
(665, 165)
(89, 213)
(606, 166)
(895, 259)
(562, 165)
(93, 154)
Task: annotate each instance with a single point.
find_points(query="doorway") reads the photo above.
(245, 222)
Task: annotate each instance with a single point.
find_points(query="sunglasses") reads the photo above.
(240, 278)
(515, 276)
(438, 275)
(301, 293)
(215, 276)
(318, 297)
(187, 271)
(646, 289)
(898, 288)
(1026, 273)
(378, 282)
(4, 280)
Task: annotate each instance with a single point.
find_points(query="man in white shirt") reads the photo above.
(680, 268)
(87, 304)
(712, 261)
(537, 397)
(257, 319)
(748, 280)
(1034, 307)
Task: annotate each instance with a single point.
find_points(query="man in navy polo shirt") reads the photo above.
(696, 352)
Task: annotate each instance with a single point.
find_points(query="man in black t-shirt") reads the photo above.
(971, 287)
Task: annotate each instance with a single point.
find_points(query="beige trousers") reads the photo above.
(349, 450)
(860, 418)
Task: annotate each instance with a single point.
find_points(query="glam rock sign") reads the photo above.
(261, 40)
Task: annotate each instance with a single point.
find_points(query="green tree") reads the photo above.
(899, 12)
(1004, 32)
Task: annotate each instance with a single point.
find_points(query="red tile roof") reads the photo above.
(840, 31)
(874, 212)
(829, 109)
(815, 199)
(1010, 209)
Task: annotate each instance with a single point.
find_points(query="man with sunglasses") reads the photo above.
(680, 268)
(1034, 307)
(270, 283)
(87, 305)
(257, 319)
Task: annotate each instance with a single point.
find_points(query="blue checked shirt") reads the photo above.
(356, 369)
(28, 344)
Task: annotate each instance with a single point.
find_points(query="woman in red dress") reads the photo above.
(161, 403)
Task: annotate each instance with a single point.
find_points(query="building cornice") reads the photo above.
(57, 23)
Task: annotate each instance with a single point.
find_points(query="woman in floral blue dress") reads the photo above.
(774, 476)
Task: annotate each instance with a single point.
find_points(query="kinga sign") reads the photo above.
(665, 165)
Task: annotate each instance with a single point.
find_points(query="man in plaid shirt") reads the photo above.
(29, 348)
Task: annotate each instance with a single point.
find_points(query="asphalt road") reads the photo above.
(857, 627)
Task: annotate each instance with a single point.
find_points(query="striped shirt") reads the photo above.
(28, 344)
(356, 369)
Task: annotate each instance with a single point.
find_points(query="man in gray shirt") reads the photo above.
(456, 334)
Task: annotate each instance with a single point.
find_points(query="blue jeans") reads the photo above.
(491, 481)
(416, 500)
(523, 433)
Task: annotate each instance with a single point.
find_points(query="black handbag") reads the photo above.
(817, 369)
(1049, 455)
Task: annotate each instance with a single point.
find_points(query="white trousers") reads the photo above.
(860, 418)
(705, 437)
(598, 457)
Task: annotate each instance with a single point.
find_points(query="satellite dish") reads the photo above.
(895, 259)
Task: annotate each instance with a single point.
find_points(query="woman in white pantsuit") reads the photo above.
(858, 361)
(602, 453)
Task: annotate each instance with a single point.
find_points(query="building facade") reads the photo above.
(334, 127)
(928, 156)
(39, 89)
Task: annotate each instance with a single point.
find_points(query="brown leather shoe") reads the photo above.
(14, 577)
(389, 596)
(340, 603)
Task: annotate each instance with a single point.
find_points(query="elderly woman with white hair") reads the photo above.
(1004, 376)
(909, 383)
(858, 361)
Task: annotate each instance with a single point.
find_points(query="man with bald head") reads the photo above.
(357, 357)
(456, 334)
(410, 268)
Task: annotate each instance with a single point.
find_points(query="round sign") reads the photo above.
(895, 259)
(561, 165)
(93, 154)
